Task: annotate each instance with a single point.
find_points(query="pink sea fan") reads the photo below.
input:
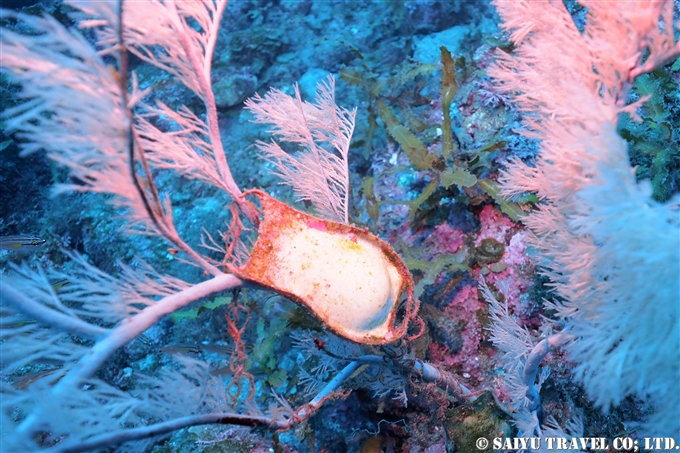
(318, 173)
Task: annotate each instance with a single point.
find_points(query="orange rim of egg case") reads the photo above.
(347, 278)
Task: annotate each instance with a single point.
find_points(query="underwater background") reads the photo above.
(432, 134)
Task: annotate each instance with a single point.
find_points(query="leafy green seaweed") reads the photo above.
(654, 146)
(192, 313)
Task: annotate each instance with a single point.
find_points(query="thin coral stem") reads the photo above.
(203, 77)
(47, 316)
(159, 429)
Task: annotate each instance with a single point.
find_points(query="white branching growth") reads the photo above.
(321, 365)
(44, 312)
(521, 378)
(159, 33)
(179, 38)
(318, 172)
(515, 343)
(182, 145)
(318, 365)
(69, 90)
(613, 253)
(71, 293)
(81, 414)
(67, 387)
(552, 433)
(73, 108)
(79, 109)
(25, 343)
(190, 390)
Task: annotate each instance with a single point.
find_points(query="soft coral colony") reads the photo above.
(610, 251)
